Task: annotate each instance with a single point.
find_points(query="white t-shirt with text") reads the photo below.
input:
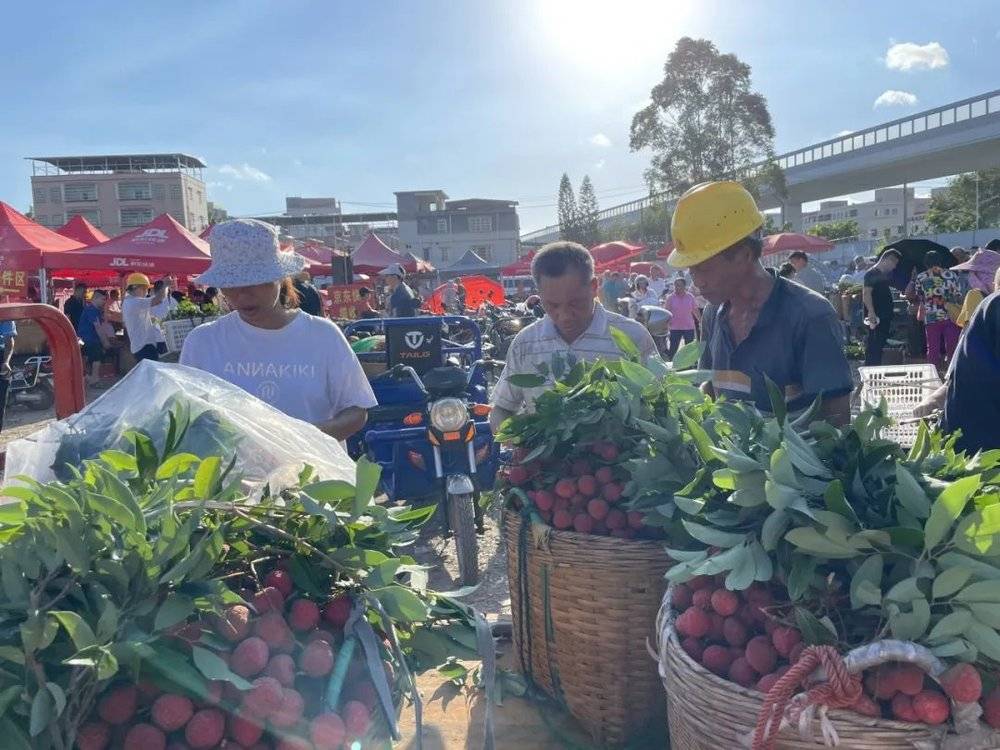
(306, 369)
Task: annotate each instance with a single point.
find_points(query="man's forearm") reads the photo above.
(346, 423)
(498, 416)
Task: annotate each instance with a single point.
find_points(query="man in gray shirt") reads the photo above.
(805, 274)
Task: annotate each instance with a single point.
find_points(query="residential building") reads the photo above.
(121, 192)
(216, 213)
(441, 230)
(322, 219)
(876, 217)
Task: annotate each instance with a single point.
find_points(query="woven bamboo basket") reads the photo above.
(583, 609)
(707, 712)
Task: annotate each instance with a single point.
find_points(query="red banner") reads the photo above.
(342, 301)
(14, 283)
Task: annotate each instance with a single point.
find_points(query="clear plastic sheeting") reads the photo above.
(223, 420)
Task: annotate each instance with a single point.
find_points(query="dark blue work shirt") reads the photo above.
(89, 319)
(973, 403)
(797, 341)
(403, 302)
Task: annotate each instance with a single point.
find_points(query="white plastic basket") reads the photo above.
(903, 387)
(176, 331)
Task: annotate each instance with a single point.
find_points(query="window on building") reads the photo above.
(42, 219)
(484, 251)
(853, 212)
(427, 254)
(442, 226)
(90, 214)
(895, 211)
(134, 191)
(41, 195)
(480, 223)
(55, 194)
(135, 217)
(159, 192)
(56, 220)
(176, 193)
(80, 192)
(444, 254)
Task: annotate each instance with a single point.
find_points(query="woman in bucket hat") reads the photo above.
(981, 268)
(298, 363)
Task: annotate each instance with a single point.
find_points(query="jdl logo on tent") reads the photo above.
(152, 235)
(129, 263)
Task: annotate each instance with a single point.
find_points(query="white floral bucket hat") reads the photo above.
(246, 252)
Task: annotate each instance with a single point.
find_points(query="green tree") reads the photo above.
(770, 227)
(569, 221)
(954, 209)
(587, 210)
(835, 230)
(704, 122)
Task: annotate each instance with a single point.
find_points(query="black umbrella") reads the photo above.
(913, 253)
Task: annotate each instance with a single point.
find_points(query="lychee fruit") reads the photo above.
(694, 622)
(991, 708)
(587, 485)
(338, 611)
(797, 650)
(580, 467)
(170, 712)
(566, 488)
(234, 623)
(902, 708)
(616, 520)
(717, 630)
(94, 735)
(562, 519)
(717, 659)
(268, 599)
(245, 729)
(700, 582)
(725, 602)
(291, 710)
(357, 719)
(544, 500)
(205, 729)
(365, 692)
(693, 648)
(303, 615)
(636, 521)
(327, 731)
(291, 742)
(865, 706)
(702, 599)
(607, 451)
(761, 654)
(742, 673)
(148, 691)
(734, 631)
(931, 707)
(765, 683)
(316, 659)
(680, 597)
(282, 668)
(145, 737)
(272, 629)
(264, 698)
(962, 683)
(880, 683)
(604, 475)
(582, 523)
(118, 706)
(281, 580)
(612, 492)
(907, 679)
(517, 475)
(250, 657)
(784, 640)
(598, 509)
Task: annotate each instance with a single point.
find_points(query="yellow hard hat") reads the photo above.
(709, 218)
(137, 279)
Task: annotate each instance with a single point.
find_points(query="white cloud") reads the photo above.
(910, 56)
(244, 172)
(893, 98)
(842, 133)
(599, 164)
(599, 139)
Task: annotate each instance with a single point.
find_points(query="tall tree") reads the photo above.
(704, 122)
(587, 210)
(569, 223)
(954, 209)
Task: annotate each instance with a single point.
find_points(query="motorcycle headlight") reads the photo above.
(449, 414)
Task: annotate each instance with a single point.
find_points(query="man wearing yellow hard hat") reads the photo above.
(757, 325)
(145, 337)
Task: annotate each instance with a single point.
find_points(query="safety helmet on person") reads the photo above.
(710, 218)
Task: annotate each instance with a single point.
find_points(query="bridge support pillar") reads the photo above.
(791, 213)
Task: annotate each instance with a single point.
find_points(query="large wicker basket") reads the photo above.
(707, 712)
(584, 608)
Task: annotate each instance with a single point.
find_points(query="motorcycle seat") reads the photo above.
(445, 381)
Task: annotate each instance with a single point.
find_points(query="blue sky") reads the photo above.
(482, 99)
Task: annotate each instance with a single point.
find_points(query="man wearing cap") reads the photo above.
(144, 335)
(756, 327)
(403, 301)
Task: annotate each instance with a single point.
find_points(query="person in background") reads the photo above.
(402, 301)
(211, 296)
(449, 297)
(113, 307)
(758, 326)
(575, 327)
(309, 301)
(74, 304)
(685, 314)
(93, 331)
(162, 311)
(787, 271)
(980, 271)
(643, 295)
(939, 294)
(365, 309)
(300, 364)
(805, 274)
(197, 297)
(961, 255)
(144, 335)
(876, 296)
(462, 296)
(8, 334)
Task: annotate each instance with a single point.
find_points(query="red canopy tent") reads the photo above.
(478, 289)
(81, 230)
(22, 241)
(373, 255)
(163, 246)
(320, 256)
(520, 267)
(614, 256)
(788, 242)
(664, 252)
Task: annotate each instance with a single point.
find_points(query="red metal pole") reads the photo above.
(64, 346)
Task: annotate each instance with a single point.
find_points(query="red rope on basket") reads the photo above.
(841, 690)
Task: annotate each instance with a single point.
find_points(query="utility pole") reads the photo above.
(977, 201)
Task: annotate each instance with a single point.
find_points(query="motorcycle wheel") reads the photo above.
(39, 398)
(462, 522)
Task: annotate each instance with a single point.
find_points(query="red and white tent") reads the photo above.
(22, 241)
(520, 267)
(614, 256)
(81, 230)
(163, 246)
(373, 255)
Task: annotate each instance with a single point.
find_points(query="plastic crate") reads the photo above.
(176, 331)
(903, 387)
